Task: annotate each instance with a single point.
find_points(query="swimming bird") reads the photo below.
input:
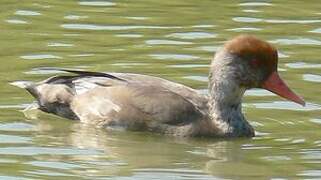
(147, 103)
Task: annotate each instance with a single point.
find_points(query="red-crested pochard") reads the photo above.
(147, 103)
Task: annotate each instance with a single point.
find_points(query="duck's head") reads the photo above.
(253, 63)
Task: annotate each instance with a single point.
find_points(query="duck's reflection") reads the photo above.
(123, 153)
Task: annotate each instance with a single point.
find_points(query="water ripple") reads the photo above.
(310, 173)
(286, 105)
(113, 27)
(247, 19)
(254, 147)
(302, 65)
(297, 41)
(255, 4)
(318, 121)
(129, 64)
(282, 21)
(16, 21)
(151, 173)
(31, 151)
(298, 141)
(137, 18)
(274, 21)
(43, 70)
(42, 5)
(75, 17)
(174, 56)
(14, 139)
(81, 55)
(97, 3)
(40, 56)
(54, 165)
(316, 30)
(72, 34)
(258, 92)
(188, 65)
(208, 48)
(27, 13)
(312, 78)
(166, 42)
(197, 78)
(311, 154)
(192, 35)
(130, 35)
(47, 173)
(54, 44)
(276, 158)
(15, 106)
(16, 126)
(251, 10)
(282, 139)
(203, 26)
(242, 29)
(282, 55)
(13, 178)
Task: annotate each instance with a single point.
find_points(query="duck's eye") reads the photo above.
(255, 63)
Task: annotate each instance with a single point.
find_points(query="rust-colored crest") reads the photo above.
(261, 53)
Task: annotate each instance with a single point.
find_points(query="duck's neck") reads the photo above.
(225, 104)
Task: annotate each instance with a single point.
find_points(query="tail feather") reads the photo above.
(28, 85)
(22, 84)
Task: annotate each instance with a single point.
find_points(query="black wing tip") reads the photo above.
(82, 72)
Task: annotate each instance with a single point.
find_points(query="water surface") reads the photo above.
(173, 39)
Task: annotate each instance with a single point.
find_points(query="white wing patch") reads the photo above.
(82, 87)
(99, 108)
(103, 106)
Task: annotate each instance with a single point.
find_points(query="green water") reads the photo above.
(173, 39)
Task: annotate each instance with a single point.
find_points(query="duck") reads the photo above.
(138, 102)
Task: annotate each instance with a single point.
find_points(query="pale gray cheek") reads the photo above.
(249, 77)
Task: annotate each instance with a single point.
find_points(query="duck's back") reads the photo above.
(130, 101)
